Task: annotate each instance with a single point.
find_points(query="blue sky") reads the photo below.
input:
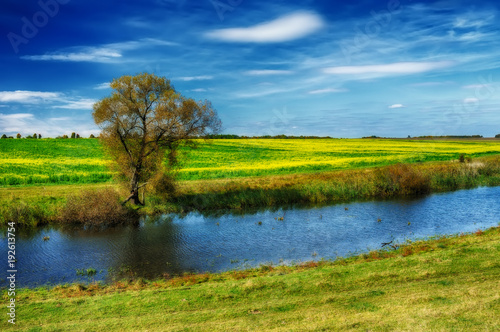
(343, 69)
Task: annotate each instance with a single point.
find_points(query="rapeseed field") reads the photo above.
(70, 161)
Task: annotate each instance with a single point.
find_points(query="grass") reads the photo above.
(442, 284)
(52, 161)
(25, 162)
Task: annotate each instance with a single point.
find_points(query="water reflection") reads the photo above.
(194, 242)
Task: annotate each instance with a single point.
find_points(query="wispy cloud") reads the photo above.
(266, 72)
(285, 28)
(471, 100)
(78, 104)
(88, 54)
(55, 99)
(27, 97)
(27, 124)
(102, 86)
(398, 68)
(330, 90)
(195, 78)
(104, 53)
(426, 84)
(397, 106)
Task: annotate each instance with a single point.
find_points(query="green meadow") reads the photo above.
(25, 162)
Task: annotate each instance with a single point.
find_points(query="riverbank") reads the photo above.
(448, 283)
(32, 206)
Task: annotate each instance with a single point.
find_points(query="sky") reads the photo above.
(325, 68)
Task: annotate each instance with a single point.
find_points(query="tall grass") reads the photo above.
(331, 187)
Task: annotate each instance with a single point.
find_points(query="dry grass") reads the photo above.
(95, 207)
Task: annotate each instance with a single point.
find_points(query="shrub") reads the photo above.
(163, 185)
(4, 136)
(96, 207)
(402, 179)
(23, 214)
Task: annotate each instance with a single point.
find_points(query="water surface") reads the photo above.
(197, 243)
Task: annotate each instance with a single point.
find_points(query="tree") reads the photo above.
(72, 135)
(18, 135)
(34, 136)
(144, 120)
(39, 136)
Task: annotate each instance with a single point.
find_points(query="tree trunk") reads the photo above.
(134, 190)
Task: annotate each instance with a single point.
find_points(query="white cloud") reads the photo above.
(425, 84)
(104, 53)
(13, 123)
(321, 91)
(199, 90)
(195, 78)
(57, 99)
(471, 100)
(27, 124)
(477, 86)
(102, 86)
(398, 68)
(285, 28)
(397, 106)
(27, 97)
(267, 72)
(81, 104)
(90, 54)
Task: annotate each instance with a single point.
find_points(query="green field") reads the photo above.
(446, 284)
(76, 161)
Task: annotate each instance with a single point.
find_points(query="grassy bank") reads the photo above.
(444, 284)
(38, 205)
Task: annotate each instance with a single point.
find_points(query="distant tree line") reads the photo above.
(39, 136)
(430, 136)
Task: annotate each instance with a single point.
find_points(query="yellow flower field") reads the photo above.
(28, 162)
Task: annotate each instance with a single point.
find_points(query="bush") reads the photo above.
(402, 179)
(96, 207)
(23, 214)
(163, 185)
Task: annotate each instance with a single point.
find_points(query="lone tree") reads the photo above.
(144, 120)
